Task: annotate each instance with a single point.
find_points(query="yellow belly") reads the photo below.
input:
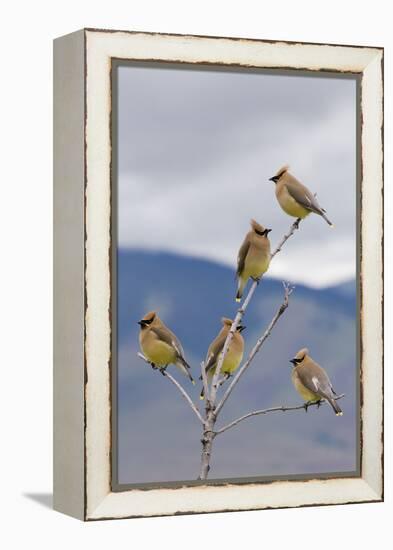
(231, 363)
(159, 353)
(305, 393)
(290, 206)
(256, 268)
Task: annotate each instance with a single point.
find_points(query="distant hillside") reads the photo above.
(191, 295)
(347, 289)
(196, 292)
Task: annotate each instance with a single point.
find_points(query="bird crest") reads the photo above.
(150, 316)
(301, 354)
(281, 171)
(257, 226)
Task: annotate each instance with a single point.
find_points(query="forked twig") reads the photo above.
(287, 292)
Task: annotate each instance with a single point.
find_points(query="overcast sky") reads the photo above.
(197, 147)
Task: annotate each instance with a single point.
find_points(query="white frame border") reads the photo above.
(100, 48)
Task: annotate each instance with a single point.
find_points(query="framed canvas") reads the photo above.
(165, 146)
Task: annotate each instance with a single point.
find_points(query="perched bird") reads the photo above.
(160, 346)
(311, 381)
(254, 256)
(233, 356)
(294, 197)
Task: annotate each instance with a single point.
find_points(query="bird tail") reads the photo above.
(202, 394)
(335, 407)
(240, 287)
(185, 368)
(326, 218)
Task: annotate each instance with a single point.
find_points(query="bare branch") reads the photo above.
(228, 340)
(206, 390)
(292, 230)
(273, 409)
(287, 292)
(185, 394)
(179, 387)
(207, 443)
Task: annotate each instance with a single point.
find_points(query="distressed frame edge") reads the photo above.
(375, 495)
(367, 495)
(372, 270)
(235, 38)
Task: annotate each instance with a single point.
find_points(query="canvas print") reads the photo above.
(235, 311)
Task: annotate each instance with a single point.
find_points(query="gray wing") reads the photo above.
(304, 197)
(168, 337)
(241, 257)
(316, 380)
(214, 351)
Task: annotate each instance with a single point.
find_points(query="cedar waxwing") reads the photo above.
(233, 356)
(311, 381)
(294, 197)
(160, 345)
(254, 256)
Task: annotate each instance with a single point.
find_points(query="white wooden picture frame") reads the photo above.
(82, 240)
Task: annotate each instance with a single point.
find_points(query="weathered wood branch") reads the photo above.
(164, 372)
(305, 406)
(207, 443)
(211, 411)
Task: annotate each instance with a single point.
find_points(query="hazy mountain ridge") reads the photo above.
(192, 295)
(189, 288)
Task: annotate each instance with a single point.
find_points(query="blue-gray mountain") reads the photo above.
(159, 437)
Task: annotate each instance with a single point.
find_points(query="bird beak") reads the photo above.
(272, 178)
(293, 361)
(141, 323)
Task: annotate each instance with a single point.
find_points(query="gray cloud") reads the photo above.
(196, 149)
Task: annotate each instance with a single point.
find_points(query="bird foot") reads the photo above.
(163, 370)
(225, 378)
(256, 279)
(153, 366)
(296, 224)
(306, 405)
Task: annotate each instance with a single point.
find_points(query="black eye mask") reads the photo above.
(262, 233)
(145, 322)
(297, 361)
